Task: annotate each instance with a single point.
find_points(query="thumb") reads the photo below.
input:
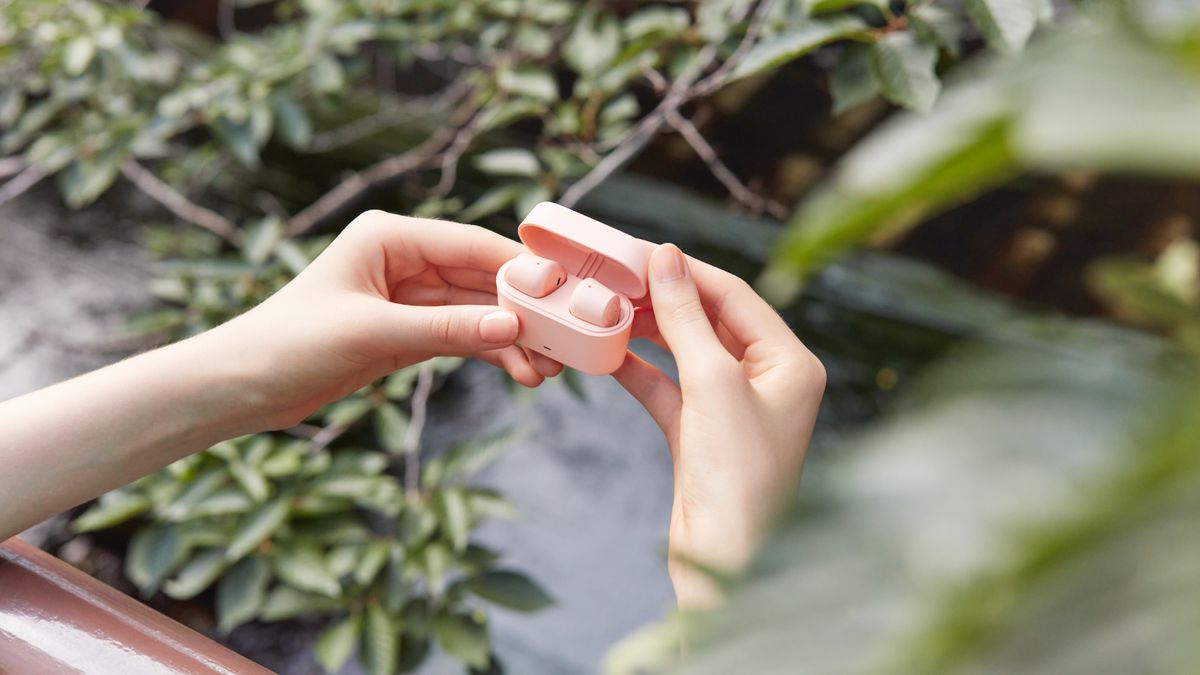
(679, 313)
(450, 330)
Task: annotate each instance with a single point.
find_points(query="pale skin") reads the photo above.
(391, 291)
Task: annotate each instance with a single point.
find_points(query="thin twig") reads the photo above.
(737, 189)
(416, 425)
(178, 204)
(11, 165)
(20, 183)
(454, 152)
(714, 81)
(389, 116)
(359, 182)
(631, 144)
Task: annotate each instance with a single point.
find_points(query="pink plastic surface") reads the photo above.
(587, 248)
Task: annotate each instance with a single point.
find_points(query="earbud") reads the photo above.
(595, 304)
(534, 276)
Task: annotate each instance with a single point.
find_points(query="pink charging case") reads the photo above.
(587, 249)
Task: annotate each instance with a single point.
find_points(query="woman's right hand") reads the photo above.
(737, 424)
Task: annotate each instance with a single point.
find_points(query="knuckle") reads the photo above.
(811, 376)
(687, 311)
(443, 328)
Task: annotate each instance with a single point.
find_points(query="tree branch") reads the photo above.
(714, 81)
(387, 117)
(11, 165)
(153, 187)
(359, 182)
(721, 171)
(630, 145)
(20, 183)
(416, 425)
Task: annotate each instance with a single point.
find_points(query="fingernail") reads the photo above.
(498, 326)
(668, 263)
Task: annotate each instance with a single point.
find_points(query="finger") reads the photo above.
(513, 360)
(654, 390)
(680, 315)
(479, 280)
(449, 330)
(440, 295)
(439, 242)
(544, 365)
(734, 304)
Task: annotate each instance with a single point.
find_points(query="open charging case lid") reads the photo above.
(587, 248)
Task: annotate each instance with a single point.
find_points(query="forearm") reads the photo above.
(68, 443)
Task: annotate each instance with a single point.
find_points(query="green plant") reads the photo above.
(532, 99)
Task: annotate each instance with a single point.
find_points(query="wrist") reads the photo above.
(229, 381)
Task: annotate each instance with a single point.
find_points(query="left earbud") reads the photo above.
(593, 302)
(534, 276)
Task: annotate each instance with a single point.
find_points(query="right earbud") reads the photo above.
(593, 302)
(534, 276)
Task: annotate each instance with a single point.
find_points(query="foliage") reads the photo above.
(1025, 508)
(538, 98)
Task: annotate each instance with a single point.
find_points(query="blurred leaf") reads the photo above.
(851, 83)
(373, 559)
(435, 562)
(416, 524)
(153, 553)
(197, 575)
(285, 602)
(112, 508)
(593, 44)
(938, 25)
(463, 637)
(303, 568)
(241, 592)
(259, 239)
(347, 411)
(336, 643)
(451, 507)
(85, 179)
(467, 457)
(488, 203)
(510, 589)
(78, 54)
(1005, 24)
(903, 69)
(239, 138)
(656, 20)
(391, 427)
(796, 42)
(257, 526)
(294, 126)
(536, 84)
(509, 162)
(380, 646)
(483, 502)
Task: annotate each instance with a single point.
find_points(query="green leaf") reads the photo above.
(415, 524)
(490, 202)
(656, 21)
(257, 526)
(938, 25)
(463, 637)
(435, 562)
(372, 560)
(285, 602)
(85, 179)
(451, 508)
(197, 575)
(153, 553)
(239, 138)
(380, 646)
(824, 6)
(223, 502)
(483, 502)
(303, 568)
(251, 480)
(593, 44)
(327, 75)
(796, 42)
(510, 589)
(112, 508)
(241, 592)
(903, 68)
(347, 411)
(78, 54)
(1005, 24)
(509, 162)
(336, 643)
(294, 126)
(851, 83)
(391, 427)
(536, 84)
(259, 240)
(467, 457)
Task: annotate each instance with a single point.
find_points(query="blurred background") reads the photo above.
(980, 215)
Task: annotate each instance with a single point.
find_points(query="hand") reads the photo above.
(388, 292)
(738, 423)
